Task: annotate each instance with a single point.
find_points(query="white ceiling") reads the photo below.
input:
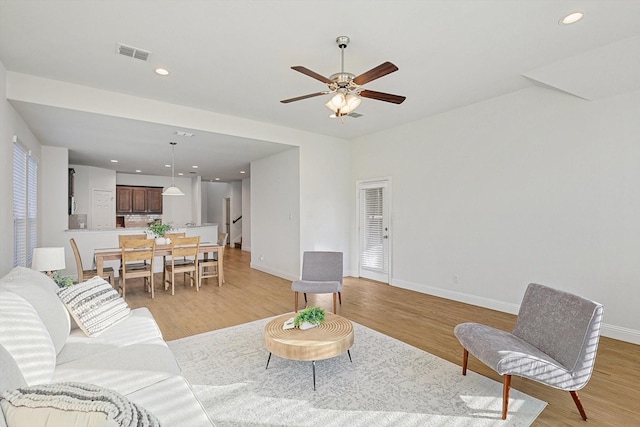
(233, 57)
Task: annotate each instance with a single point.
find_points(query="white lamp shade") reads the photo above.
(172, 191)
(48, 259)
(338, 100)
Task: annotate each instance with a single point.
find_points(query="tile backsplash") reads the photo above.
(77, 221)
(140, 220)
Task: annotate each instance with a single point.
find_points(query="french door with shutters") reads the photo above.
(373, 229)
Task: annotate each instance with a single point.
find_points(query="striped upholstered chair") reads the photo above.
(554, 342)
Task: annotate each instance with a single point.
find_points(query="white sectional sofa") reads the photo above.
(38, 345)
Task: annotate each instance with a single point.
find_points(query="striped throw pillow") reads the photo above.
(94, 305)
(72, 405)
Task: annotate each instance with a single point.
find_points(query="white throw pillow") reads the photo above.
(94, 305)
(71, 405)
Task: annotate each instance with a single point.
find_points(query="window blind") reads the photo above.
(372, 254)
(25, 206)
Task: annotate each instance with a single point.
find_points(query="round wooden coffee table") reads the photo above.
(330, 339)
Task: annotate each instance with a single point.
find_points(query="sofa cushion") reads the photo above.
(41, 292)
(72, 405)
(10, 375)
(26, 339)
(138, 326)
(173, 402)
(123, 369)
(94, 305)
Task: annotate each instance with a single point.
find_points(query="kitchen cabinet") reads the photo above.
(123, 199)
(141, 200)
(154, 200)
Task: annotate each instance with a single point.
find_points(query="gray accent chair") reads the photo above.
(554, 342)
(321, 274)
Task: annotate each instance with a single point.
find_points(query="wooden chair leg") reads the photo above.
(465, 360)
(151, 284)
(305, 299)
(295, 298)
(334, 303)
(340, 297)
(505, 395)
(576, 400)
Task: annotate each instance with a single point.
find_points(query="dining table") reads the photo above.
(109, 254)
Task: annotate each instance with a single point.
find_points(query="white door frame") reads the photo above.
(385, 182)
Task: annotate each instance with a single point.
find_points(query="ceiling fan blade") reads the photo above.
(298, 98)
(308, 72)
(381, 96)
(375, 73)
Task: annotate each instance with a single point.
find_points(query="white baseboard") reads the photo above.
(610, 331)
(274, 272)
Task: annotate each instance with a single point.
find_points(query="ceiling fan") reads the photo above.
(347, 88)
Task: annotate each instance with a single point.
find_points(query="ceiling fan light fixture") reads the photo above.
(339, 100)
(353, 102)
(332, 107)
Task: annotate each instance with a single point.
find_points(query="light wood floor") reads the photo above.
(611, 398)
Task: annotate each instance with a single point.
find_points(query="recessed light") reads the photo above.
(138, 171)
(194, 167)
(242, 172)
(114, 161)
(162, 72)
(167, 166)
(217, 179)
(182, 133)
(180, 173)
(572, 18)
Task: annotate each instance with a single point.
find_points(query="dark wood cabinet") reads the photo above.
(123, 199)
(140, 200)
(154, 200)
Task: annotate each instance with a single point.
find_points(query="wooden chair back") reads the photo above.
(174, 235)
(185, 247)
(76, 253)
(223, 238)
(124, 237)
(137, 250)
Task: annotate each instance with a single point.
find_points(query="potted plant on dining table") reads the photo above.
(158, 230)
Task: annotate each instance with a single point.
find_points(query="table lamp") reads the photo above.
(48, 260)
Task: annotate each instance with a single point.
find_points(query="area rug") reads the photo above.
(389, 383)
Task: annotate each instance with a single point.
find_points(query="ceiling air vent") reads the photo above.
(133, 52)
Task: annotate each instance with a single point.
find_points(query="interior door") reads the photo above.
(102, 209)
(373, 230)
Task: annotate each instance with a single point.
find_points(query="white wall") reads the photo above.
(11, 124)
(54, 204)
(534, 186)
(175, 209)
(216, 192)
(325, 198)
(246, 214)
(236, 211)
(275, 214)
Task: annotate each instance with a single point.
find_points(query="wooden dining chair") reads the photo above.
(209, 267)
(140, 251)
(108, 273)
(183, 247)
(125, 237)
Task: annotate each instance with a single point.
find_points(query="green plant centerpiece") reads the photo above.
(159, 229)
(310, 317)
